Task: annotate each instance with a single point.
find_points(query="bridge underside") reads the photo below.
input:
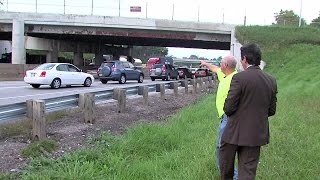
(131, 41)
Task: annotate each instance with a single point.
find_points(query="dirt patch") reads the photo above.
(71, 132)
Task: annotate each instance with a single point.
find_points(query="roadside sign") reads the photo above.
(135, 8)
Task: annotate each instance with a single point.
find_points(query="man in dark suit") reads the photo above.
(250, 101)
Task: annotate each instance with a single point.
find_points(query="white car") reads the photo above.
(56, 75)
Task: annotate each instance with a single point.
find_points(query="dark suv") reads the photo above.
(185, 73)
(164, 72)
(119, 71)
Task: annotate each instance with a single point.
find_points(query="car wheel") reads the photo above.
(35, 85)
(152, 79)
(122, 79)
(103, 81)
(87, 82)
(56, 83)
(140, 80)
(168, 77)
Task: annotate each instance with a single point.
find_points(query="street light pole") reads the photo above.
(300, 13)
(119, 9)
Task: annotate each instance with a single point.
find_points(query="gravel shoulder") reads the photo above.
(71, 132)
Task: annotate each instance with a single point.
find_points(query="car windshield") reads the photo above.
(45, 67)
(157, 66)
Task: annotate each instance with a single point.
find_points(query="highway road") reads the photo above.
(18, 91)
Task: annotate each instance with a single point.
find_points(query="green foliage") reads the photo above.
(272, 37)
(315, 22)
(38, 148)
(184, 146)
(146, 52)
(193, 57)
(288, 18)
(22, 128)
(8, 176)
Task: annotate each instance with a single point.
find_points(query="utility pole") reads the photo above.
(36, 6)
(245, 17)
(172, 11)
(147, 10)
(119, 8)
(198, 13)
(300, 13)
(223, 16)
(91, 7)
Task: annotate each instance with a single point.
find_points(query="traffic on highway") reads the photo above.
(18, 91)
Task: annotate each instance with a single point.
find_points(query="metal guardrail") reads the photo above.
(13, 111)
(18, 110)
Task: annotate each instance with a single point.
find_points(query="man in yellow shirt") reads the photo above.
(225, 74)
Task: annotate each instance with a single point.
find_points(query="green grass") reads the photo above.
(39, 148)
(24, 127)
(184, 146)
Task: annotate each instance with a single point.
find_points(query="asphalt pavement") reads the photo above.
(18, 91)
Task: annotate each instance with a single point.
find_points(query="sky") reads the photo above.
(257, 12)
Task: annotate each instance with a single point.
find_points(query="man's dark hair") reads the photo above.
(252, 52)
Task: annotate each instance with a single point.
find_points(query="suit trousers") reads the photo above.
(248, 158)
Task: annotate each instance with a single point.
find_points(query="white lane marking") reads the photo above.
(1, 88)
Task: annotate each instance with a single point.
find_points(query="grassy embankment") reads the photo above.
(184, 147)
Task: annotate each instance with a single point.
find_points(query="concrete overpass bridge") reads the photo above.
(80, 34)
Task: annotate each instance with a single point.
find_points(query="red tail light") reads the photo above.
(196, 72)
(43, 74)
(163, 67)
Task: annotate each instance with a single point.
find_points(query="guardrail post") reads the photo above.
(161, 88)
(120, 95)
(194, 86)
(89, 108)
(38, 120)
(29, 108)
(185, 84)
(144, 91)
(174, 86)
(205, 80)
(81, 101)
(200, 82)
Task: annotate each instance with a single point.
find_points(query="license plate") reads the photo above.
(100, 74)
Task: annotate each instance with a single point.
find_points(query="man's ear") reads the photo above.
(244, 59)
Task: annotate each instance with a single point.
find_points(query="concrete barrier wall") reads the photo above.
(15, 72)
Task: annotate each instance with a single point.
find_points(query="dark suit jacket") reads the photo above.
(250, 101)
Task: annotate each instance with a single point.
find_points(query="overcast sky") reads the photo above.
(258, 12)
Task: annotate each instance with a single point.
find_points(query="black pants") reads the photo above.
(248, 158)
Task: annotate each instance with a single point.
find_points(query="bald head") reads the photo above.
(230, 61)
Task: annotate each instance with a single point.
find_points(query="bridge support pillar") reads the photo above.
(98, 58)
(78, 56)
(78, 59)
(52, 56)
(53, 53)
(18, 41)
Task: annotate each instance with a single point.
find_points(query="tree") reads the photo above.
(288, 18)
(146, 52)
(316, 22)
(193, 57)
